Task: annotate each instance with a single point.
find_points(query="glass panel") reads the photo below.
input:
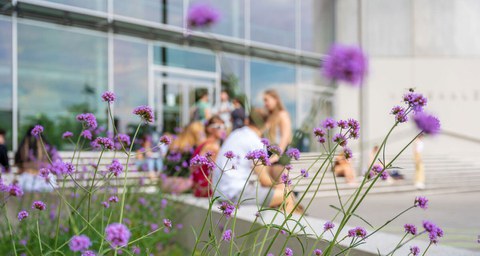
(183, 58)
(280, 77)
(6, 80)
(99, 5)
(61, 73)
(273, 21)
(313, 76)
(131, 72)
(317, 25)
(233, 75)
(172, 107)
(232, 17)
(314, 107)
(152, 10)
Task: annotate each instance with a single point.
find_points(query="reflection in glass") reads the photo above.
(166, 12)
(233, 75)
(183, 58)
(98, 5)
(232, 18)
(273, 21)
(280, 77)
(131, 74)
(61, 73)
(314, 107)
(312, 76)
(6, 79)
(317, 30)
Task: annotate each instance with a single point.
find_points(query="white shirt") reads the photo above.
(240, 142)
(34, 183)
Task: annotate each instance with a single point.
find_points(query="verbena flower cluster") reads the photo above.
(117, 234)
(108, 97)
(259, 155)
(88, 119)
(345, 64)
(144, 112)
(202, 15)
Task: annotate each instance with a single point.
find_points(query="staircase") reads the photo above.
(444, 174)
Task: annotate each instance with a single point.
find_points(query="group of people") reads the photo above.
(226, 128)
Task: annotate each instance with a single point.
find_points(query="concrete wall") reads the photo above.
(430, 45)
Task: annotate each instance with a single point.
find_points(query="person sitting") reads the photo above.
(216, 130)
(343, 168)
(231, 181)
(4, 164)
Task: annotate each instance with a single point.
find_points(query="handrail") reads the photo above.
(461, 136)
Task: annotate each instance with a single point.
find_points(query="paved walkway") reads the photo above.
(457, 213)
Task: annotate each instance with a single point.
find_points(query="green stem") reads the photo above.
(93, 182)
(428, 247)
(10, 230)
(39, 239)
(399, 243)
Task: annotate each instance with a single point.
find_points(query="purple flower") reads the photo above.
(317, 252)
(107, 143)
(88, 253)
(293, 153)
(39, 205)
(427, 123)
(163, 203)
(321, 140)
(227, 209)
(319, 132)
(123, 138)
(415, 100)
(199, 160)
(88, 119)
(288, 252)
(15, 190)
(115, 167)
(69, 168)
(259, 155)
(304, 173)
(421, 201)
(145, 112)
(347, 152)
(165, 140)
(136, 250)
(274, 149)
(67, 135)
(202, 15)
(345, 63)
(357, 232)
(108, 96)
(227, 235)
(37, 130)
(265, 142)
(229, 154)
(79, 243)
(340, 139)
(434, 232)
(113, 199)
(153, 226)
(328, 225)
(400, 114)
(167, 223)
(414, 250)
(384, 175)
(105, 204)
(328, 123)
(142, 201)
(288, 167)
(285, 179)
(410, 228)
(22, 215)
(342, 124)
(117, 234)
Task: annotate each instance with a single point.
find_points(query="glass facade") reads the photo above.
(61, 73)
(167, 12)
(273, 22)
(63, 69)
(280, 77)
(6, 104)
(131, 73)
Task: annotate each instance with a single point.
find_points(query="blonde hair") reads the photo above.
(273, 117)
(191, 136)
(274, 94)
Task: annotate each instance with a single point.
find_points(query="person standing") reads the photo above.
(3, 153)
(238, 114)
(419, 166)
(225, 108)
(202, 110)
